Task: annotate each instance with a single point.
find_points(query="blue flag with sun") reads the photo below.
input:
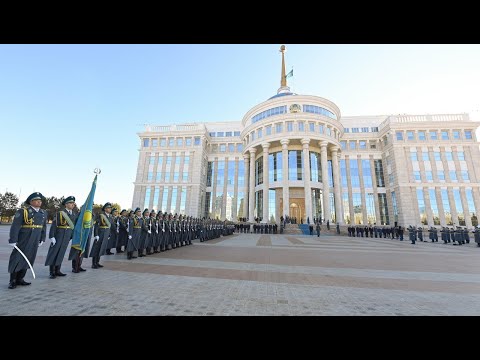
(84, 223)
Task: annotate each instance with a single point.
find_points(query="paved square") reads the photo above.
(246, 274)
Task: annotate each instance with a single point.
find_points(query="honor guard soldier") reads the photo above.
(112, 240)
(318, 229)
(476, 234)
(122, 232)
(154, 235)
(27, 233)
(76, 256)
(420, 233)
(61, 232)
(412, 234)
(144, 234)
(101, 231)
(134, 233)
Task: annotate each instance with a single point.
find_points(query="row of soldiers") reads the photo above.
(360, 231)
(448, 235)
(135, 231)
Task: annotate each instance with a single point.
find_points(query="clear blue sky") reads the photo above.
(66, 109)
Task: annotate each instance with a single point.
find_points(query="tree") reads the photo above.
(117, 206)
(8, 205)
(52, 204)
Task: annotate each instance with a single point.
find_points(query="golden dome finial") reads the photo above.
(283, 81)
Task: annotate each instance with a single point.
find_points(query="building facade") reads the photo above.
(296, 155)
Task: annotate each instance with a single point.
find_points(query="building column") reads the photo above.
(306, 172)
(466, 210)
(245, 181)
(285, 187)
(265, 147)
(251, 202)
(337, 186)
(326, 188)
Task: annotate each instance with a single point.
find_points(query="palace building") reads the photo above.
(296, 155)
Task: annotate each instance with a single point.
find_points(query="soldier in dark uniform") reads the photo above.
(122, 232)
(430, 234)
(61, 232)
(476, 234)
(75, 255)
(112, 240)
(28, 232)
(152, 236)
(101, 231)
(145, 233)
(412, 234)
(420, 233)
(318, 229)
(135, 227)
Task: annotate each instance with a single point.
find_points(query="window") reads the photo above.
(289, 126)
(228, 134)
(163, 142)
(188, 142)
(222, 148)
(236, 133)
(416, 175)
(355, 130)
(433, 135)
(231, 147)
(429, 175)
(220, 134)
(212, 134)
(278, 128)
(410, 135)
(468, 134)
(320, 129)
(375, 129)
(365, 129)
(311, 127)
(259, 133)
(329, 131)
(268, 130)
(437, 157)
(373, 146)
(425, 156)
(449, 156)
(346, 130)
(343, 144)
(154, 142)
(399, 135)
(441, 175)
(379, 173)
(146, 142)
(465, 175)
(453, 175)
(352, 145)
(301, 126)
(444, 135)
(461, 155)
(179, 141)
(171, 142)
(197, 140)
(150, 176)
(252, 135)
(239, 147)
(456, 134)
(413, 156)
(363, 144)
(421, 135)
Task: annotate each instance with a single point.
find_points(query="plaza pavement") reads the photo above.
(246, 274)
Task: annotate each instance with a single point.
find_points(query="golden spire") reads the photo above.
(283, 82)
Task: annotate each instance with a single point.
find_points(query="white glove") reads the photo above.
(12, 244)
(129, 237)
(163, 230)
(53, 240)
(96, 237)
(149, 231)
(41, 243)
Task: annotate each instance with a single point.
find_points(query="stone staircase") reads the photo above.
(292, 229)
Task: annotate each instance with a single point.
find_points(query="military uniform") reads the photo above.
(61, 232)
(101, 231)
(122, 232)
(112, 239)
(28, 232)
(476, 234)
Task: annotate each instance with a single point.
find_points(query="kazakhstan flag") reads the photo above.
(82, 229)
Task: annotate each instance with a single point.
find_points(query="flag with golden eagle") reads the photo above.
(82, 229)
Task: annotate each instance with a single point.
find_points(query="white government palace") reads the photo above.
(297, 155)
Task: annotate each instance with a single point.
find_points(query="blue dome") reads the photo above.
(281, 94)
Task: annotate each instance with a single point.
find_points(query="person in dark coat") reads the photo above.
(61, 232)
(476, 234)
(101, 231)
(114, 229)
(28, 232)
(318, 229)
(122, 232)
(75, 255)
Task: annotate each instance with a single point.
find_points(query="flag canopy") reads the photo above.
(84, 224)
